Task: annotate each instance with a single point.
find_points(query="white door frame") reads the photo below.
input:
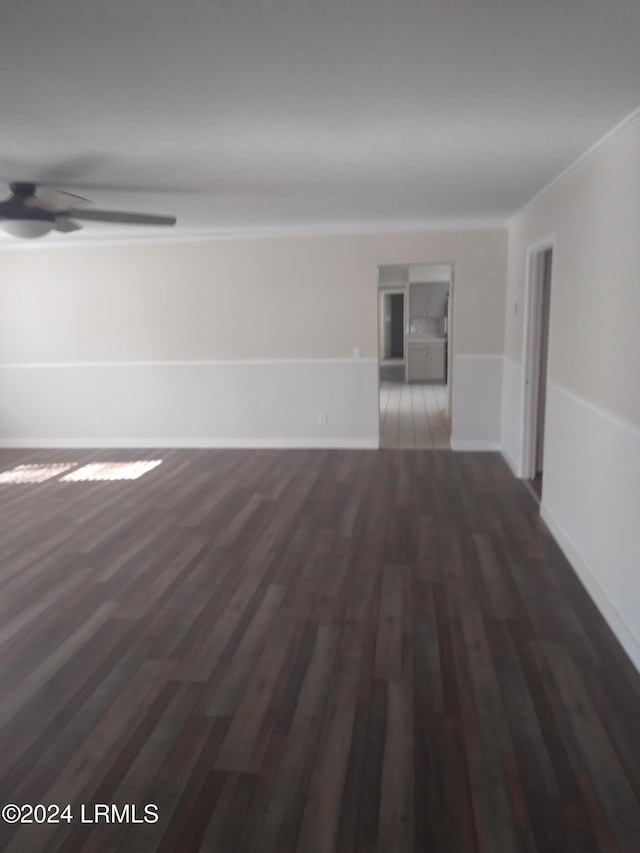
(531, 352)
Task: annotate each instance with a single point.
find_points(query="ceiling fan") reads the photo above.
(27, 215)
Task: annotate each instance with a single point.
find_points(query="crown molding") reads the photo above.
(604, 144)
(265, 233)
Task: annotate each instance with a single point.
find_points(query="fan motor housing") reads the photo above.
(17, 210)
(22, 189)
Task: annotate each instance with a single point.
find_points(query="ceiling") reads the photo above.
(261, 115)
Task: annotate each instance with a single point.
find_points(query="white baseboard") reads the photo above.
(189, 443)
(464, 445)
(510, 462)
(613, 617)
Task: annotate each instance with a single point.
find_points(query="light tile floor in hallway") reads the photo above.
(413, 415)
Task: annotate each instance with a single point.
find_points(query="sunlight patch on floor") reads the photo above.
(34, 473)
(97, 471)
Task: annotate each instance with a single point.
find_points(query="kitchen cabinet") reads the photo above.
(426, 361)
(417, 363)
(428, 300)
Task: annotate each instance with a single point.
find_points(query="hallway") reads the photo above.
(414, 416)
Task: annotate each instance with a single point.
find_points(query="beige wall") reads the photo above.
(594, 217)
(591, 482)
(302, 297)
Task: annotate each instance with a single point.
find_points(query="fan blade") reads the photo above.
(121, 217)
(55, 200)
(74, 195)
(66, 225)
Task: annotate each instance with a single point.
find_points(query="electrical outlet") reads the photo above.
(356, 352)
(322, 418)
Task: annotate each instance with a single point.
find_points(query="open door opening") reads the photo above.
(414, 316)
(392, 313)
(536, 365)
(396, 331)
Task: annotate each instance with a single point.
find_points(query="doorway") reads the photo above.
(536, 361)
(414, 316)
(396, 331)
(392, 319)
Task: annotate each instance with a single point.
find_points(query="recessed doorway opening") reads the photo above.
(414, 355)
(392, 321)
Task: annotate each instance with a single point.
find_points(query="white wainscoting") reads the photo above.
(591, 503)
(191, 404)
(477, 396)
(511, 420)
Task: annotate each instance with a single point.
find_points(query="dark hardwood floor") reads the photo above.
(307, 650)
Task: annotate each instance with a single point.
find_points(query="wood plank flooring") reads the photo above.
(413, 415)
(306, 651)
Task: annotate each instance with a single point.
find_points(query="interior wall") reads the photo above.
(591, 485)
(219, 303)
